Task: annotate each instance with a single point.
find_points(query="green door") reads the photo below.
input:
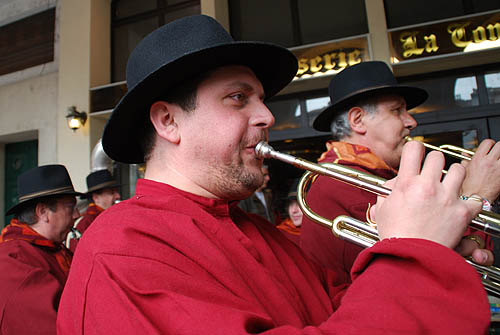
(19, 157)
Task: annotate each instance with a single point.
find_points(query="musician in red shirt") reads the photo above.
(180, 257)
(102, 191)
(34, 261)
(369, 119)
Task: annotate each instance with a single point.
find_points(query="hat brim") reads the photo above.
(19, 205)
(413, 96)
(274, 66)
(109, 184)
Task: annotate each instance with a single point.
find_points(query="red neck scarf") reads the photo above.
(21, 231)
(352, 154)
(288, 226)
(93, 209)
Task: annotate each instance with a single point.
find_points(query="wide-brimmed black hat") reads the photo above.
(359, 80)
(42, 181)
(99, 180)
(174, 53)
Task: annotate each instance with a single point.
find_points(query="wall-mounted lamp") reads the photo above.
(75, 118)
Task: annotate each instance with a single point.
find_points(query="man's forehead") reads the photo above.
(236, 76)
(391, 99)
(67, 199)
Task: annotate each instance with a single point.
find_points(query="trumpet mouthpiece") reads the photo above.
(263, 150)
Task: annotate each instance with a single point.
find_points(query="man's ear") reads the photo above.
(355, 117)
(163, 116)
(42, 212)
(94, 197)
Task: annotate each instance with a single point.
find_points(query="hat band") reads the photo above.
(101, 185)
(46, 192)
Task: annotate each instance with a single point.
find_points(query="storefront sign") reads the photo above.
(448, 37)
(330, 58)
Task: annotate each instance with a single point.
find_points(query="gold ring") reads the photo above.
(476, 239)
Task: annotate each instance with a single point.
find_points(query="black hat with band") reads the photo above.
(360, 80)
(174, 53)
(99, 180)
(41, 182)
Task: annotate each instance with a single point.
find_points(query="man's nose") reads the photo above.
(409, 121)
(262, 117)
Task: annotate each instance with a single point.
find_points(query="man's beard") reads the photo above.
(234, 181)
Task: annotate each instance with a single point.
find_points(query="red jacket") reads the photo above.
(170, 262)
(90, 214)
(330, 198)
(31, 284)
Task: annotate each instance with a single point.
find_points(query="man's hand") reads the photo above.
(483, 171)
(423, 206)
(474, 247)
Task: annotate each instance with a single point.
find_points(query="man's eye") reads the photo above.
(237, 96)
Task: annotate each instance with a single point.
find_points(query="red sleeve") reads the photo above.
(400, 286)
(414, 286)
(32, 308)
(330, 198)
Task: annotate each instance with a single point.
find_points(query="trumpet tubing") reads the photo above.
(359, 232)
(447, 149)
(485, 221)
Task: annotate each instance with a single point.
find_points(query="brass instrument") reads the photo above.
(448, 149)
(73, 234)
(363, 233)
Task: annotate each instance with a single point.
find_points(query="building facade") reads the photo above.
(56, 54)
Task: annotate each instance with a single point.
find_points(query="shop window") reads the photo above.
(465, 92)
(128, 8)
(287, 114)
(397, 11)
(132, 20)
(492, 81)
(296, 22)
(447, 92)
(295, 114)
(314, 106)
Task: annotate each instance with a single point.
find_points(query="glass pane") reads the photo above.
(175, 2)
(324, 20)
(174, 15)
(314, 106)
(257, 20)
(126, 8)
(447, 93)
(125, 38)
(287, 114)
(398, 12)
(484, 5)
(317, 104)
(493, 86)
(466, 92)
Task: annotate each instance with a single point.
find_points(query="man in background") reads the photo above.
(34, 261)
(102, 192)
(368, 118)
(260, 202)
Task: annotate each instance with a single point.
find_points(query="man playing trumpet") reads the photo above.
(369, 120)
(183, 258)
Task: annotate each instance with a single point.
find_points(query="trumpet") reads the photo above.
(447, 149)
(362, 233)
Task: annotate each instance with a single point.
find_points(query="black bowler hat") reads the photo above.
(292, 193)
(42, 181)
(362, 79)
(100, 179)
(174, 53)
